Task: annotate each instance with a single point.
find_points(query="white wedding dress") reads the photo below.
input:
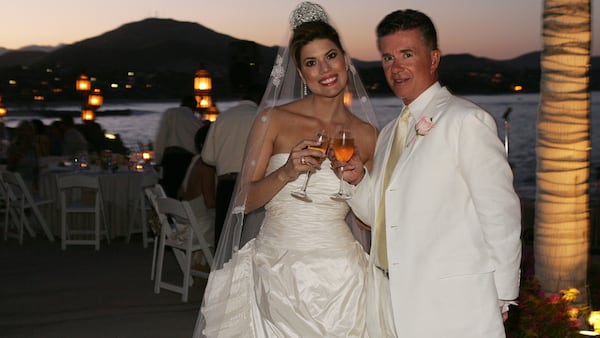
(302, 276)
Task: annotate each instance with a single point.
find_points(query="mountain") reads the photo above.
(163, 54)
(151, 44)
(16, 58)
(31, 48)
(157, 58)
(39, 48)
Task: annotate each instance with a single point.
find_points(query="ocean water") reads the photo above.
(142, 124)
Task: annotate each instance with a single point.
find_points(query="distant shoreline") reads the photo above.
(77, 113)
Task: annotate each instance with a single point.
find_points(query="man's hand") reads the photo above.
(354, 169)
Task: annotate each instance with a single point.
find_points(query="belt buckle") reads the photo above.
(228, 177)
(384, 271)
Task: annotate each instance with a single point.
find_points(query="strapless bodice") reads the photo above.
(320, 222)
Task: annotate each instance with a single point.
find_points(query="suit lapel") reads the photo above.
(434, 110)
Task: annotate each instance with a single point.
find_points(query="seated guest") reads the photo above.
(5, 136)
(55, 137)
(94, 135)
(177, 127)
(40, 137)
(174, 164)
(198, 187)
(73, 141)
(22, 155)
(174, 144)
(225, 143)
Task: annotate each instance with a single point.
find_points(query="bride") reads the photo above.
(295, 270)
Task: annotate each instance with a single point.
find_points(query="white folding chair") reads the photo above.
(153, 194)
(140, 209)
(13, 223)
(19, 201)
(180, 230)
(80, 194)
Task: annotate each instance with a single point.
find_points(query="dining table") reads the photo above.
(120, 188)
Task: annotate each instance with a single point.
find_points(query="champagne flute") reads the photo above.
(343, 146)
(321, 137)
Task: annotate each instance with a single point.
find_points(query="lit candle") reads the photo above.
(594, 320)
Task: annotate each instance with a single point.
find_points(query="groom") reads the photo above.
(445, 218)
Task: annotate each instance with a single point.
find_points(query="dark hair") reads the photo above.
(24, 133)
(200, 136)
(67, 120)
(189, 101)
(402, 20)
(310, 31)
(38, 126)
(253, 92)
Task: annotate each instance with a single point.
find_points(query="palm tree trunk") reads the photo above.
(561, 243)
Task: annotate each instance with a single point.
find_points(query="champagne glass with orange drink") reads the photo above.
(323, 140)
(343, 146)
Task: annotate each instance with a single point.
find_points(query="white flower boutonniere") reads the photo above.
(424, 126)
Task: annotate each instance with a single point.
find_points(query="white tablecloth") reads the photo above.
(119, 191)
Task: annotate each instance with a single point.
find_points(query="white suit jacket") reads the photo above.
(452, 223)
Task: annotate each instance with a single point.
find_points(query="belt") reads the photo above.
(228, 177)
(383, 271)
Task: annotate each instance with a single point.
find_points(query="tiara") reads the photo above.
(307, 12)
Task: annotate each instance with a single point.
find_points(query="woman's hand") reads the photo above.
(303, 159)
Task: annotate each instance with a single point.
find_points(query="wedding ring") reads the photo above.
(302, 160)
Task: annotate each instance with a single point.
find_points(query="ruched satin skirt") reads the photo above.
(302, 276)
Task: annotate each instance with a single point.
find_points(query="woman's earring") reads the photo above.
(304, 88)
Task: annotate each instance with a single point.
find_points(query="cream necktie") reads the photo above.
(397, 149)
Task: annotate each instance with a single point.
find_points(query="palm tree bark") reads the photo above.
(561, 243)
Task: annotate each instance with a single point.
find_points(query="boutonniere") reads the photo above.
(424, 126)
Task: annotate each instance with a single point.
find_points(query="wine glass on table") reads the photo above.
(343, 147)
(323, 140)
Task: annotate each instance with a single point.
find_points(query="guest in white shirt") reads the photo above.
(224, 149)
(177, 128)
(174, 145)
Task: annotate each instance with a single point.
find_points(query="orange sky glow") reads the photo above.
(495, 29)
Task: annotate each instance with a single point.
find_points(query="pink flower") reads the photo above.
(424, 126)
(554, 298)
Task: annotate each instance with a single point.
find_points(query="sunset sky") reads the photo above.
(498, 29)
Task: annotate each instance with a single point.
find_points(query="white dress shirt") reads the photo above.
(177, 127)
(226, 140)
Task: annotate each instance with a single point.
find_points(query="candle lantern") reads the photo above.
(83, 84)
(202, 81)
(95, 99)
(202, 88)
(147, 156)
(210, 114)
(2, 109)
(88, 114)
(203, 102)
(594, 320)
